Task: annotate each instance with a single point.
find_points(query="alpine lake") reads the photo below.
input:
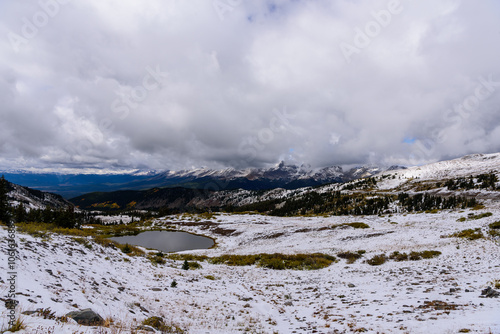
(166, 241)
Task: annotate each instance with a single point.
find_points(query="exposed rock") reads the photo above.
(489, 292)
(146, 329)
(86, 317)
(143, 309)
(288, 303)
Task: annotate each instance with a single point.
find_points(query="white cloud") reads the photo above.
(225, 77)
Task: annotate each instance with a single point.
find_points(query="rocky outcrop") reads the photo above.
(86, 317)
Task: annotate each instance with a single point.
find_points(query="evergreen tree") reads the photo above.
(47, 215)
(20, 213)
(65, 217)
(4, 202)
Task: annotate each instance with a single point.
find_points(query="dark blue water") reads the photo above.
(166, 241)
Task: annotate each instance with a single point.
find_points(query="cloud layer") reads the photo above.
(176, 84)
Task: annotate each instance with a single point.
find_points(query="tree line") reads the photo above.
(482, 181)
(338, 203)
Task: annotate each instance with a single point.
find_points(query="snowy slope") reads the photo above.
(34, 199)
(396, 297)
(465, 166)
(439, 295)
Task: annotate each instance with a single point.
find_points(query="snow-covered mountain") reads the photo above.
(281, 175)
(468, 165)
(280, 172)
(233, 188)
(34, 199)
(278, 176)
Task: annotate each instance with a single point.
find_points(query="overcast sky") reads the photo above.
(173, 84)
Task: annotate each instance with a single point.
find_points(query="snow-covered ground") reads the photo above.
(395, 297)
(473, 164)
(116, 219)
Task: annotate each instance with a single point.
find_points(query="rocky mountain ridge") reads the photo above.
(279, 176)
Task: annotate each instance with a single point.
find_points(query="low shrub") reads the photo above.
(481, 215)
(494, 229)
(494, 233)
(358, 225)
(126, 248)
(86, 243)
(100, 240)
(159, 324)
(429, 254)
(414, 256)
(189, 257)
(194, 265)
(155, 260)
(35, 230)
(469, 234)
(296, 261)
(350, 256)
(272, 263)
(276, 261)
(397, 256)
(130, 250)
(353, 225)
(235, 260)
(472, 216)
(495, 225)
(377, 260)
(207, 215)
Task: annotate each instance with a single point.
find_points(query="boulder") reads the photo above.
(489, 292)
(86, 317)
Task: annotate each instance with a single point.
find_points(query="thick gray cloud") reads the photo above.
(178, 84)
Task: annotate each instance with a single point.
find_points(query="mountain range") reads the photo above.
(207, 188)
(279, 176)
(428, 177)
